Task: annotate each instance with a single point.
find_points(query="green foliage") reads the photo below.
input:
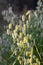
(22, 43)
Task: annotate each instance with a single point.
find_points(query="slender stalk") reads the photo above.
(31, 55)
